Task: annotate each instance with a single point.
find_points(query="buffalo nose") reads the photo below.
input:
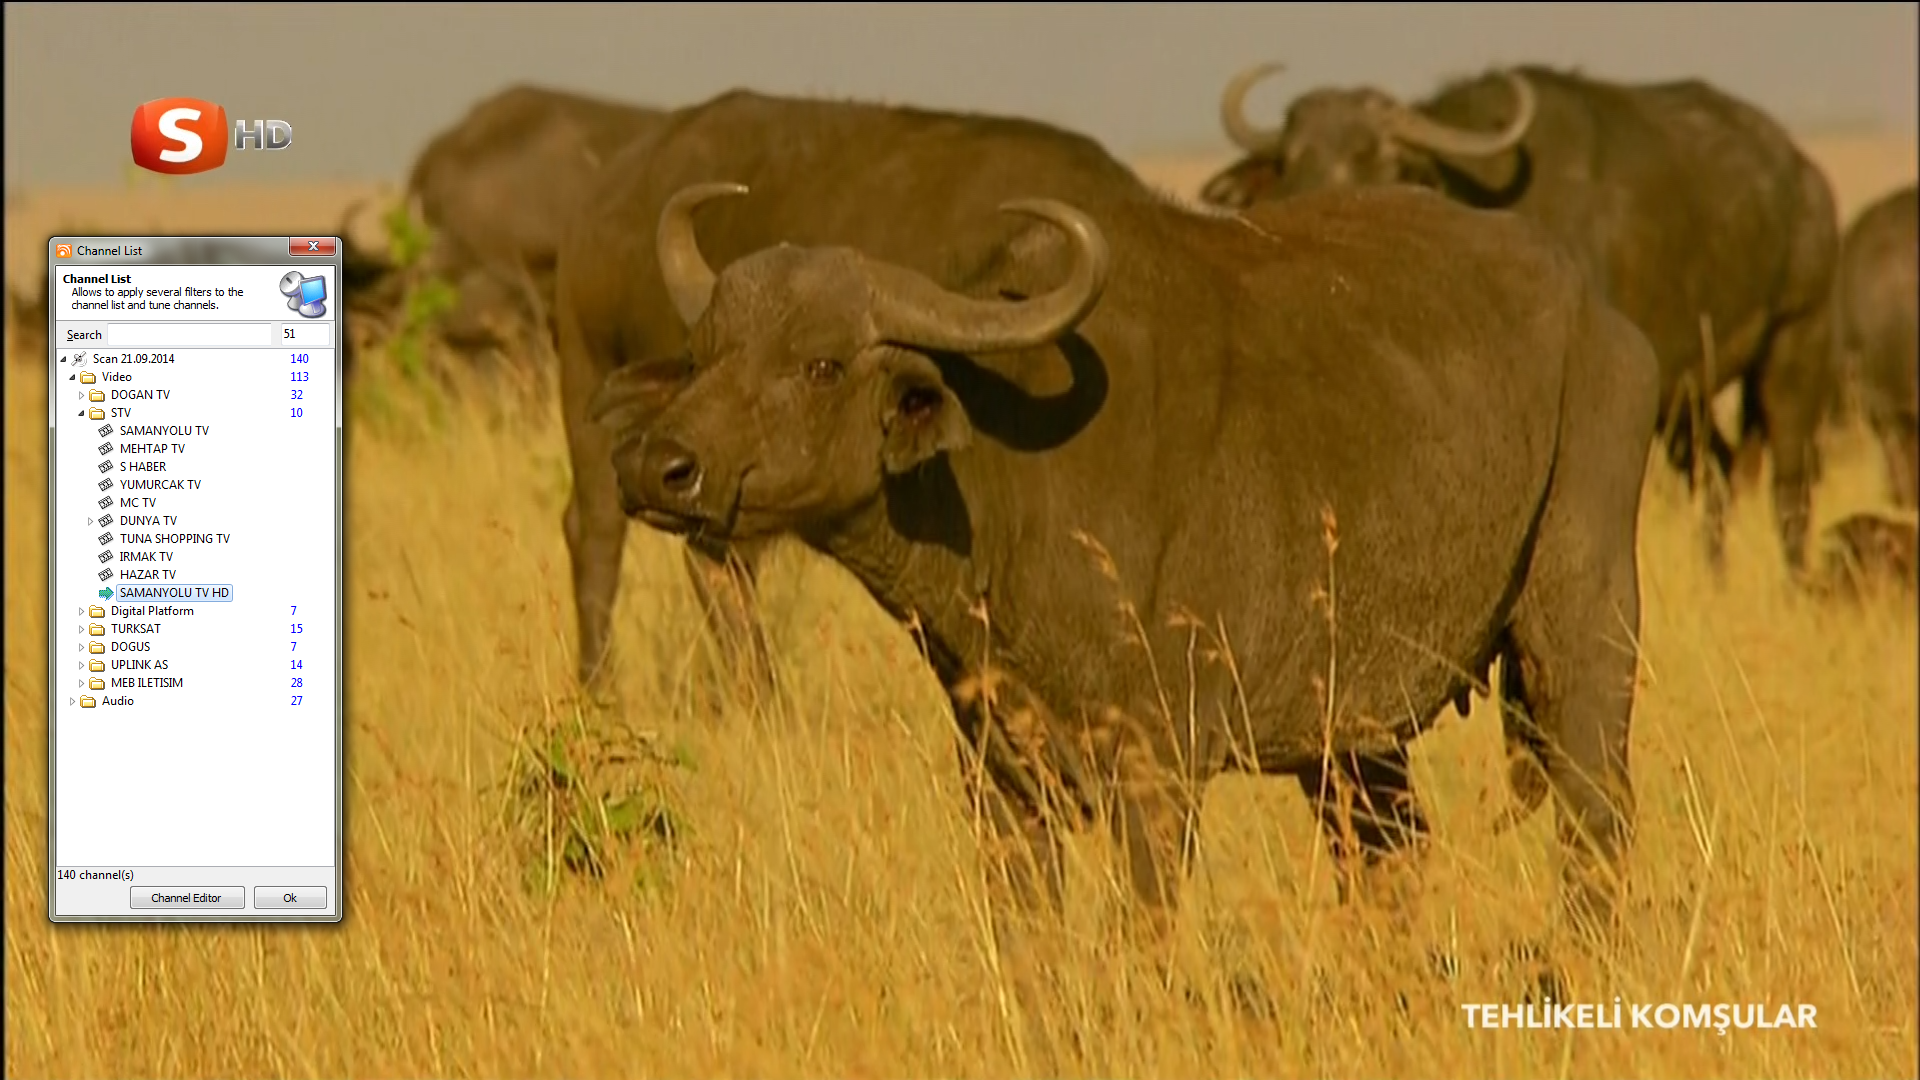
(673, 467)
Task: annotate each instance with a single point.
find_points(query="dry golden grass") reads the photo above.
(820, 914)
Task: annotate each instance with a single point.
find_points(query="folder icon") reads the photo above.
(86, 376)
(96, 395)
(96, 684)
(96, 665)
(96, 612)
(96, 630)
(86, 702)
(96, 414)
(96, 647)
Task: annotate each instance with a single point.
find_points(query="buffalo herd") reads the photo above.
(1371, 416)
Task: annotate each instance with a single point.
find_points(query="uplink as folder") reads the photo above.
(96, 395)
(96, 684)
(86, 702)
(96, 665)
(86, 376)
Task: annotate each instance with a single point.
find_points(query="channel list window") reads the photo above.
(194, 501)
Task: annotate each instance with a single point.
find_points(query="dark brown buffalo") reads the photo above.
(899, 182)
(1878, 292)
(497, 189)
(1683, 202)
(1217, 493)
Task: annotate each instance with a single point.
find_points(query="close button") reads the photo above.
(311, 245)
(295, 896)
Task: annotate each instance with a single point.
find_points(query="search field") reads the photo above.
(189, 335)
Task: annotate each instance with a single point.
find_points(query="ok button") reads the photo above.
(295, 896)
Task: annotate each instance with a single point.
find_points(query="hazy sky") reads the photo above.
(364, 86)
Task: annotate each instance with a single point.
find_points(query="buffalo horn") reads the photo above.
(911, 310)
(1413, 127)
(683, 269)
(1233, 110)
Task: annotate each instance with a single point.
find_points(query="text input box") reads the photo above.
(312, 335)
(189, 335)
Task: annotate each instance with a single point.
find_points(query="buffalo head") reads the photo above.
(1339, 138)
(813, 375)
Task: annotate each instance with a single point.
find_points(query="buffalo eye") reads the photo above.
(824, 371)
(919, 402)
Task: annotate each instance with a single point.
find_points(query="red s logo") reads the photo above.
(179, 135)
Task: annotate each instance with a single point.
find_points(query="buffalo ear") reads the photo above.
(922, 417)
(1239, 185)
(636, 393)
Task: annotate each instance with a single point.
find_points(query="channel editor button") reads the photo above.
(181, 898)
(321, 246)
(295, 896)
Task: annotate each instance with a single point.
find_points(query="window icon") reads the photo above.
(63, 251)
(306, 295)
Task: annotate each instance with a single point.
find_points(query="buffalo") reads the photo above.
(898, 182)
(1878, 302)
(1197, 487)
(497, 189)
(1696, 213)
